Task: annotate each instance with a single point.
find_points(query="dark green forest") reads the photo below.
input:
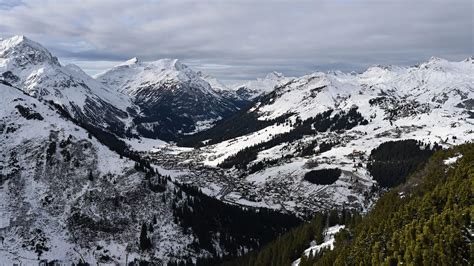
(392, 161)
(237, 229)
(323, 176)
(289, 247)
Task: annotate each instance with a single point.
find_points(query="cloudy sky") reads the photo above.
(245, 39)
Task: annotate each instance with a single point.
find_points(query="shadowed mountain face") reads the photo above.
(174, 100)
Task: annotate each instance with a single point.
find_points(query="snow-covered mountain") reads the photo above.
(173, 99)
(72, 193)
(162, 99)
(331, 120)
(224, 90)
(434, 84)
(30, 67)
(254, 88)
(66, 196)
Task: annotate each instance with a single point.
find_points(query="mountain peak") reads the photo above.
(470, 59)
(169, 63)
(25, 51)
(435, 60)
(133, 60)
(434, 63)
(163, 71)
(129, 62)
(18, 40)
(274, 75)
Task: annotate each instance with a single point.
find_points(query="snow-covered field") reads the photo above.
(145, 144)
(221, 151)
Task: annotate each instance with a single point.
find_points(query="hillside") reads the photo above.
(427, 220)
(424, 221)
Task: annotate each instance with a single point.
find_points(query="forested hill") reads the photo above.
(425, 221)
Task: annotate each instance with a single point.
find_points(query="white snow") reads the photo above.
(261, 86)
(438, 86)
(203, 125)
(452, 160)
(145, 144)
(133, 76)
(20, 210)
(224, 149)
(328, 243)
(437, 81)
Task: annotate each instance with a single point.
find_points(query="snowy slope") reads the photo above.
(172, 97)
(436, 95)
(67, 197)
(438, 83)
(30, 67)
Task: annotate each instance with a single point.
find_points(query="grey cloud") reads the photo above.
(250, 38)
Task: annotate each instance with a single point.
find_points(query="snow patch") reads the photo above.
(452, 160)
(145, 144)
(328, 243)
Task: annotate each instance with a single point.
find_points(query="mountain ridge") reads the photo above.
(31, 67)
(174, 99)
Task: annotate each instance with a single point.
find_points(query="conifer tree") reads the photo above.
(145, 242)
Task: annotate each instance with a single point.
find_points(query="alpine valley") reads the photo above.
(153, 162)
